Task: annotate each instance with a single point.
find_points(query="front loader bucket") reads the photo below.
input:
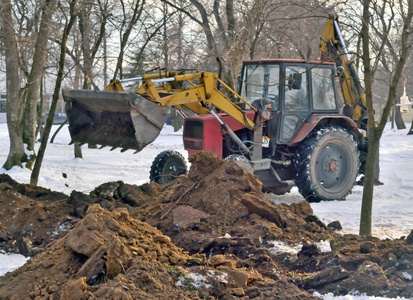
(116, 119)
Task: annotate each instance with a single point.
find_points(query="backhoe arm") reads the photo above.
(332, 48)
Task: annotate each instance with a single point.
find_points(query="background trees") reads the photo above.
(25, 28)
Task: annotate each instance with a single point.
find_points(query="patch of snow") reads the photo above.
(194, 279)
(59, 228)
(279, 247)
(11, 262)
(225, 236)
(324, 246)
(223, 277)
(407, 276)
(353, 296)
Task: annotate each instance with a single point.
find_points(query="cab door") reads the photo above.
(295, 104)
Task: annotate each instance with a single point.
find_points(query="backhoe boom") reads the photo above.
(332, 48)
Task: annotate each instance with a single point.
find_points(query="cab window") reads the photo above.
(323, 89)
(296, 89)
(261, 81)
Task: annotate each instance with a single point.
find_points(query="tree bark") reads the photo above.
(411, 129)
(207, 28)
(14, 101)
(165, 39)
(36, 73)
(398, 118)
(37, 165)
(180, 45)
(84, 27)
(367, 200)
(229, 9)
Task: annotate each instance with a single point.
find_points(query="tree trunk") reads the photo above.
(78, 150)
(398, 118)
(36, 73)
(180, 38)
(37, 165)
(14, 102)
(375, 133)
(207, 29)
(411, 129)
(57, 131)
(76, 85)
(367, 199)
(39, 117)
(165, 37)
(105, 61)
(84, 27)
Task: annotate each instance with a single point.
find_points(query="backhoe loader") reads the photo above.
(287, 124)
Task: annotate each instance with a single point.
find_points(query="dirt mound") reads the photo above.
(217, 235)
(107, 255)
(31, 217)
(218, 199)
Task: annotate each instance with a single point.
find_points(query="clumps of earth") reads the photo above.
(212, 234)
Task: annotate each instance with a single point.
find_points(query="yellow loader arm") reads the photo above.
(133, 120)
(165, 89)
(332, 48)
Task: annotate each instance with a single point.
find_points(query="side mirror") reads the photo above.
(339, 70)
(294, 81)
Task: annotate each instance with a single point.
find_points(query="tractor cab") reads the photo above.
(296, 90)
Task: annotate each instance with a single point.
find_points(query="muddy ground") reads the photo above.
(210, 235)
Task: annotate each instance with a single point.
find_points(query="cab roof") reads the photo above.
(285, 60)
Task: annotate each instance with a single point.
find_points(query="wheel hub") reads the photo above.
(329, 164)
(332, 165)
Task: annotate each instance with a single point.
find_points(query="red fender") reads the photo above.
(308, 127)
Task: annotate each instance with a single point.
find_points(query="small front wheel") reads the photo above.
(167, 166)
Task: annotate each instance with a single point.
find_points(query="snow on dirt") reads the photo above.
(9, 261)
(61, 172)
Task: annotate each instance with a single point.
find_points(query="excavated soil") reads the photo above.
(210, 235)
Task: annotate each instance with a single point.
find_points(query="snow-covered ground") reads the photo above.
(392, 206)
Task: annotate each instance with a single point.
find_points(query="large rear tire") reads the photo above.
(327, 164)
(167, 166)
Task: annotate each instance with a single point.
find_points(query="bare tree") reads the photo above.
(143, 49)
(35, 77)
(375, 132)
(17, 154)
(131, 13)
(69, 21)
(92, 27)
(30, 61)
